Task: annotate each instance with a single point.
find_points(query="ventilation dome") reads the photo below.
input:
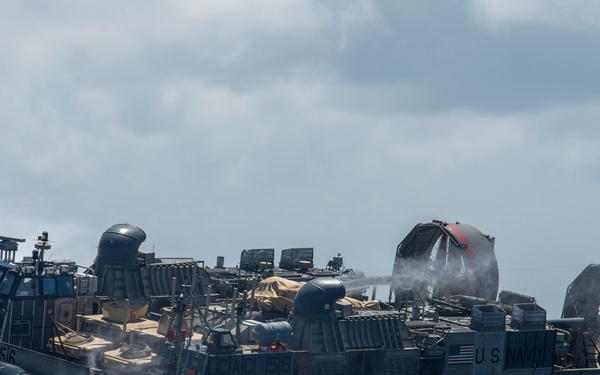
(119, 246)
(316, 299)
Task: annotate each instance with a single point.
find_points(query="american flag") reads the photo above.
(460, 354)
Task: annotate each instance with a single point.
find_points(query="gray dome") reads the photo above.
(119, 245)
(316, 299)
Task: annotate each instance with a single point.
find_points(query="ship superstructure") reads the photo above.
(444, 314)
(35, 295)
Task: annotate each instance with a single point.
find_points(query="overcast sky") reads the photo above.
(226, 125)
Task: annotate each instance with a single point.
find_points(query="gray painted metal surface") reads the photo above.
(42, 364)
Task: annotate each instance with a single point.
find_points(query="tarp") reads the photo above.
(277, 294)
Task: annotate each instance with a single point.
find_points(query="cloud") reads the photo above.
(222, 126)
(577, 15)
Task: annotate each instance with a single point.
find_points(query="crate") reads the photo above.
(299, 257)
(487, 318)
(344, 307)
(526, 316)
(86, 285)
(255, 259)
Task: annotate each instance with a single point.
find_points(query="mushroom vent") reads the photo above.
(316, 299)
(119, 246)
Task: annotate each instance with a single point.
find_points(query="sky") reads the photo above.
(339, 125)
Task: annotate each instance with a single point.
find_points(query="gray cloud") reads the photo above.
(222, 126)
